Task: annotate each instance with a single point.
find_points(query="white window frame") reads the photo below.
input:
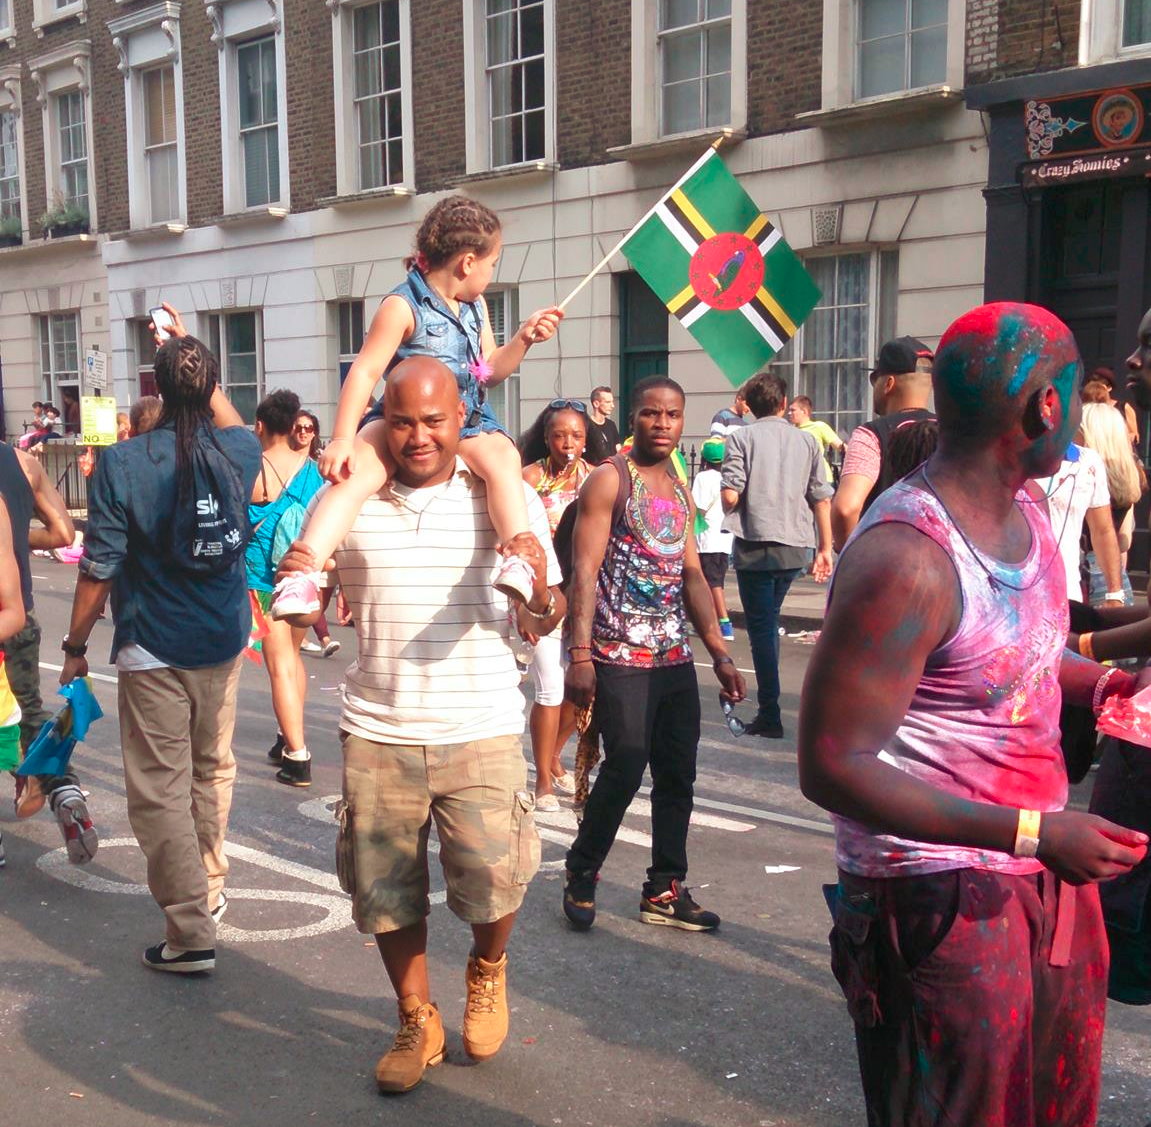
(1100, 33)
(646, 70)
(217, 338)
(906, 36)
(504, 397)
(51, 379)
(696, 30)
(841, 55)
(234, 23)
(11, 102)
(145, 40)
(8, 22)
(64, 70)
(347, 148)
(478, 145)
(47, 12)
(880, 325)
(143, 351)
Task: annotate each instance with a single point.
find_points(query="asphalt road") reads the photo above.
(624, 1025)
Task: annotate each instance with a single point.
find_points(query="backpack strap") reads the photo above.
(623, 492)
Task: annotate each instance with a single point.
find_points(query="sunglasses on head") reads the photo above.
(567, 404)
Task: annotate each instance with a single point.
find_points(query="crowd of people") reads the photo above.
(968, 936)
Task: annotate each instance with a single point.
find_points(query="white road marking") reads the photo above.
(335, 905)
(707, 665)
(95, 676)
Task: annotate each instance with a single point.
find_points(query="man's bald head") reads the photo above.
(1009, 369)
(422, 375)
(423, 414)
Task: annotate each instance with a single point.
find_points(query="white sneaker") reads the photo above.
(80, 837)
(564, 784)
(515, 577)
(298, 593)
(547, 803)
(311, 648)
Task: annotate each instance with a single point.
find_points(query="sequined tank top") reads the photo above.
(639, 612)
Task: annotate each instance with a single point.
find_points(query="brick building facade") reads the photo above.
(262, 164)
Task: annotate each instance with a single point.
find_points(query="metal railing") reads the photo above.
(60, 458)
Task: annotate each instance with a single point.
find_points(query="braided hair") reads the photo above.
(186, 376)
(454, 226)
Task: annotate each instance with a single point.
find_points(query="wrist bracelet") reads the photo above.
(1027, 834)
(1114, 597)
(1085, 648)
(547, 611)
(1101, 688)
(571, 649)
(580, 661)
(723, 659)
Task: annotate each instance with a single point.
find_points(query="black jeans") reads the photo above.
(647, 717)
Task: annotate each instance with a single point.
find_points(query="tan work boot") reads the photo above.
(486, 1012)
(419, 1045)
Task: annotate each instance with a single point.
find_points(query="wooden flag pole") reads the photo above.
(640, 222)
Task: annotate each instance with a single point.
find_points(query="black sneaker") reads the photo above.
(276, 751)
(186, 962)
(676, 908)
(295, 772)
(761, 726)
(217, 913)
(579, 898)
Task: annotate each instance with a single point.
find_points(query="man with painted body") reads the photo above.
(968, 937)
(432, 717)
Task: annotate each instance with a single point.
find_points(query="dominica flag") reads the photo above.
(719, 265)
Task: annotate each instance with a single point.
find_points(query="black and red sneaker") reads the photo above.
(675, 908)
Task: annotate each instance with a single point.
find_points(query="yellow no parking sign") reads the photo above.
(97, 420)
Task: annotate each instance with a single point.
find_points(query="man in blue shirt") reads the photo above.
(179, 636)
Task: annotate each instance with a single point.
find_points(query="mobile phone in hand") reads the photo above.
(162, 321)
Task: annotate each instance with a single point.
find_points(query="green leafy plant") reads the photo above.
(64, 214)
(10, 226)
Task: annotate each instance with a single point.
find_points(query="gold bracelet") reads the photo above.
(1085, 648)
(1027, 833)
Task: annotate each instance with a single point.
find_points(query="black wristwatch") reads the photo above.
(73, 651)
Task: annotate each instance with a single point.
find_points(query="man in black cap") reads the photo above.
(900, 392)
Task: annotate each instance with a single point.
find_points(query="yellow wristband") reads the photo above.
(1027, 833)
(1085, 648)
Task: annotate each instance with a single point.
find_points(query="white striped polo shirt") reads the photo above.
(434, 664)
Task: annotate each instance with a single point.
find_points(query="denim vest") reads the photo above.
(454, 340)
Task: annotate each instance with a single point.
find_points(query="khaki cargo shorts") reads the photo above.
(476, 792)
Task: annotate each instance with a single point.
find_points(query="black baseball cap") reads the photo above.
(899, 356)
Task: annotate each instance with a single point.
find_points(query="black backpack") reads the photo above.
(210, 529)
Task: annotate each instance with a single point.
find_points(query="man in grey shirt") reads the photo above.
(774, 481)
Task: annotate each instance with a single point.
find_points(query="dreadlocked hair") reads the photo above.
(186, 376)
(453, 226)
